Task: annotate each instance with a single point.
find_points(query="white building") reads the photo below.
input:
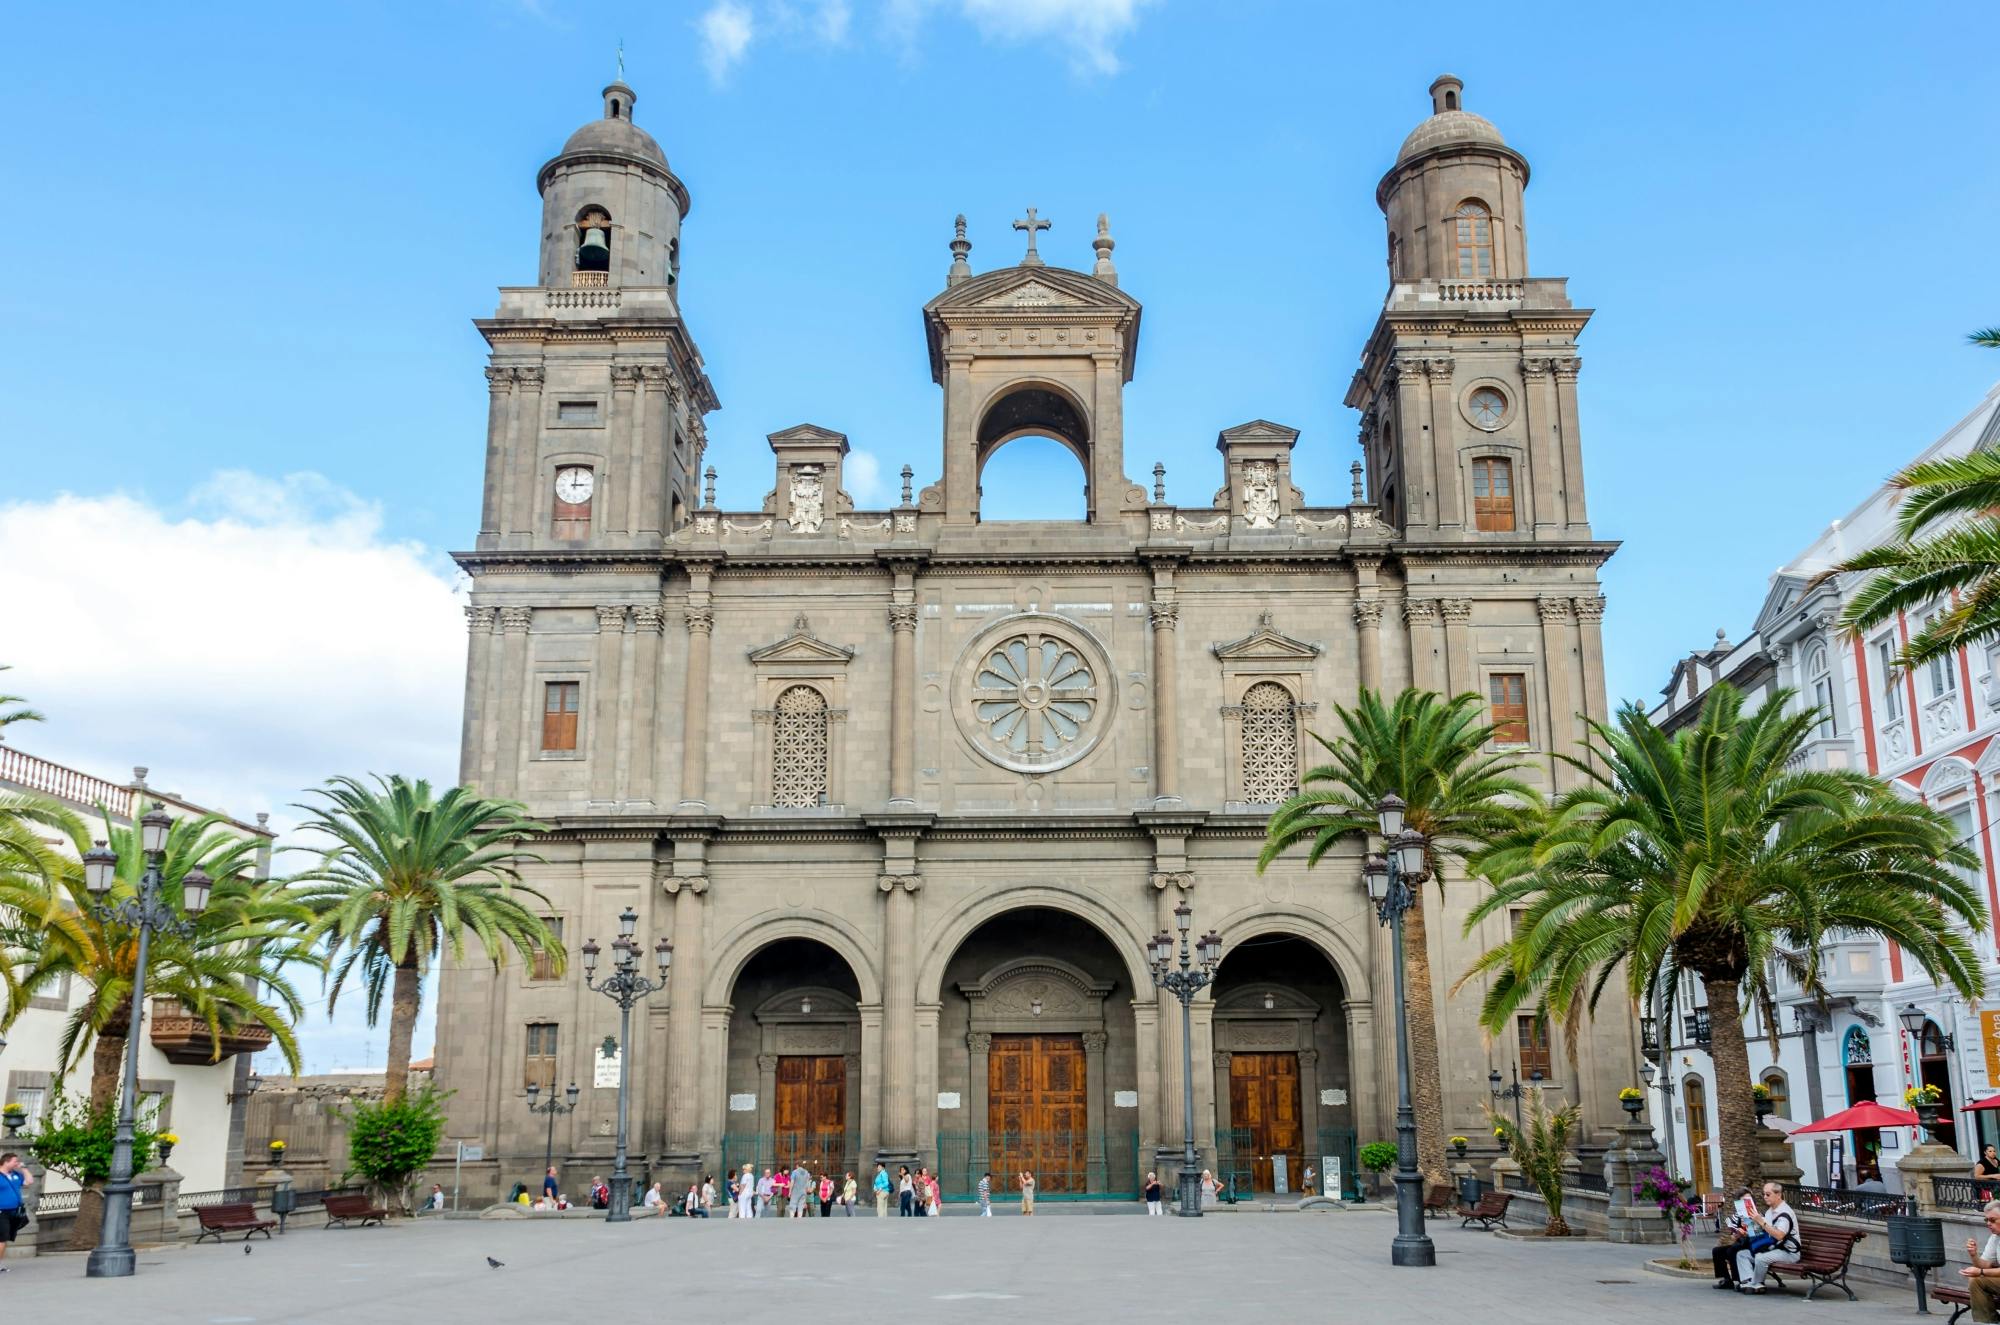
(1930, 735)
(202, 1102)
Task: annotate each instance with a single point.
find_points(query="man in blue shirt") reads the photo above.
(549, 1188)
(14, 1180)
(881, 1190)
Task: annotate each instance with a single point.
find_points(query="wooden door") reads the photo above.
(810, 1111)
(1037, 1111)
(1264, 1101)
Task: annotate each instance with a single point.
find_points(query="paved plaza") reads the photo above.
(1266, 1267)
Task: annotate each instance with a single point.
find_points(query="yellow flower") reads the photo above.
(168, 1139)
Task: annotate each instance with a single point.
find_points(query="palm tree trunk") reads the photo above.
(1426, 1084)
(1735, 1109)
(407, 994)
(107, 1072)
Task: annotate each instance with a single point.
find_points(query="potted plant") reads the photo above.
(14, 1117)
(1378, 1157)
(1539, 1145)
(1927, 1100)
(1458, 1144)
(166, 1141)
(1760, 1095)
(1632, 1100)
(277, 1149)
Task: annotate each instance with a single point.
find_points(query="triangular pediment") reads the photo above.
(1031, 294)
(807, 432)
(1266, 643)
(1257, 430)
(1031, 288)
(801, 646)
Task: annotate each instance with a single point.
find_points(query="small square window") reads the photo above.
(576, 411)
(560, 703)
(1507, 694)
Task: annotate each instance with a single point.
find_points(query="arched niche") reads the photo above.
(1034, 409)
(1038, 996)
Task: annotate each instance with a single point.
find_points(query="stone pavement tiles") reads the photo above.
(1274, 1267)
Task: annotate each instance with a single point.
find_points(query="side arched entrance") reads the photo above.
(793, 1073)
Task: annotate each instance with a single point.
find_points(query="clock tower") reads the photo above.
(594, 435)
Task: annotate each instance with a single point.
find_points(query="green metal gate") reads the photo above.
(1092, 1166)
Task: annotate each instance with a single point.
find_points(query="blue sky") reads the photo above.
(238, 357)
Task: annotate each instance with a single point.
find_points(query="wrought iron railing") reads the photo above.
(1586, 1181)
(1965, 1193)
(221, 1196)
(1067, 1165)
(1845, 1201)
(67, 1203)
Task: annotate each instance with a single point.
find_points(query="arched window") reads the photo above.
(1474, 235)
(1820, 678)
(593, 240)
(798, 748)
(1270, 744)
(1701, 1161)
(1781, 1093)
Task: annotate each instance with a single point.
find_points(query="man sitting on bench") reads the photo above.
(1774, 1240)
(1982, 1277)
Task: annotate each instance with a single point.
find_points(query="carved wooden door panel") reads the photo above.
(1037, 1111)
(810, 1111)
(1264, 1101)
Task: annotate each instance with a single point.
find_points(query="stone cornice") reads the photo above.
(1139, 826)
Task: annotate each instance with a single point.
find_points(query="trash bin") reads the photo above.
(1468, 1189)
(283, 1201)
(1917, 1241)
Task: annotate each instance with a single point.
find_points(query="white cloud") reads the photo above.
(862, 476)
(244, 647)
(825, 21)
(1090, 29)
(726, 32)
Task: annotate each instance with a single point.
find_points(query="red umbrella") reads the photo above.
(1990, 1102)
(1860, 1116)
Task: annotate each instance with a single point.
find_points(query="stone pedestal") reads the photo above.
(1631, 1219)
(1774, 1156)
(158, 1222)
(1504, 1172)
(1924, 1165)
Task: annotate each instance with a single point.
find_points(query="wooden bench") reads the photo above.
(352, 1208)
(1960, 1299)
(234, 1217)
(1823, 1257)
(1440, 1198)
(1490, 1209)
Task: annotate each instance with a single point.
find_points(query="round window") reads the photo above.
(1034, 693)
(1487, 406)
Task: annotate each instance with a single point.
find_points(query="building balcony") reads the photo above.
(1822, 753)
(184, 1038)
(1480, 292)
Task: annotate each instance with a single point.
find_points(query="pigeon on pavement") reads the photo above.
(246, 1249)
(495, 1264)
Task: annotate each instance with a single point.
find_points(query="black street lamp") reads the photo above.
(144, 911)
(1391, 884)
(552, 1108)
(1196, 969)
(1514, 1090)
(625, 987)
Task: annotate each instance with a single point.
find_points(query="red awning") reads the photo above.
(1990, 1102)
(1861, 1116)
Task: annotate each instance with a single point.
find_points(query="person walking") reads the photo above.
(848, 1190)
(881, 1189)
(549, 1184)
(1153, 1194)
(707, 1194)
(937, 1200)
(14, 1182)
(906, 1188)
(986, 1196)
(802, 1190)
(745, 1193)
(1027, 1191)
(826, 1196)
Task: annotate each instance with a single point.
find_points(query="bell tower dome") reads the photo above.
(1453, 198)
(611, 207)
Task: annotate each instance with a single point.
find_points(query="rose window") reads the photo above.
(1035, 697)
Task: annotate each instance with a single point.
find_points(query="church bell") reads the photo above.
(595, 252)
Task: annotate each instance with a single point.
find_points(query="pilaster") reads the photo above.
(1566, 369)
(636, 788)
(1426, 649)
(499, 404)
(700, 618)
(1560, 677)
(475, 725)
(510, 705)
(1458, 644)
(604, 724)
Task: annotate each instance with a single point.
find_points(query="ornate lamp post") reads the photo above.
(625, 987)
(144, 911)
(1196, 969)
(1513, 1090)
(1392, 881)
(552, 1108)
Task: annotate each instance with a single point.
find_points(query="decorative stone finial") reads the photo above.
(1721, 638)
(1354, 471)
(1159, 484)
(708, 489)
(1031, 224)
(908, 473)
(1104, 243)
(1447, 93)
(139, 776)
(960, 246)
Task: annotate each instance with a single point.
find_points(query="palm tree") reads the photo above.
(228, 972)
(1461, 796)
(407, 876)
(1704, 853)
(1947, 548)
(8, 717)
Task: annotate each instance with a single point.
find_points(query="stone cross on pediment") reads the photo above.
(1031, 225)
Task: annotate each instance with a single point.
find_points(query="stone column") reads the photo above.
(978, 1078)
(524, 458)
(1309, 1103)
(1538, 424)
(479, 624)
(903, 702)
(1413, 414)
(899, 1007)
(867, 1093)
(1225, 1117)
(603, 747)
(1166, 615)
(1096, 1108)
(1924, 1165)
(1368, 642)
(694, 737)
(1146, 1031)
(684, 1018)
(961, 465)
(1107, 450)
(1426, 661)
(499, 399)
(506, 747)
(648, 624)
(1566, 369)
(1169, 889)
(1458, 644)
(767, 1099)
(623, 460)
(1590, 654)
(1774, 1156)
(1560, 677)
(1444, 445)
(656, 413)
(1631, 1219)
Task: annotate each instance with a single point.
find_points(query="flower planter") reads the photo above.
(1632, 1107)
(1765, 1108)
(1927, 1118)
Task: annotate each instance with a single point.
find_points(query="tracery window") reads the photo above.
(1473, 226)
(799, 748)
(1270, 744)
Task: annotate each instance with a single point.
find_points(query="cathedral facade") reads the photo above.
(910, 791)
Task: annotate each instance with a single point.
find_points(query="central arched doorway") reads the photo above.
(1037, 1060)
(794, 1069)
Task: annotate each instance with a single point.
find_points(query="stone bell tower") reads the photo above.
(1033, 349)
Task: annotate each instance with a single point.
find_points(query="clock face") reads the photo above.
(574, 485)
(1487, 407)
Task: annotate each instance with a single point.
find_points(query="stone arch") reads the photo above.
(1339, 950)
(958, 924)
(734, 952)
(1031, 405)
